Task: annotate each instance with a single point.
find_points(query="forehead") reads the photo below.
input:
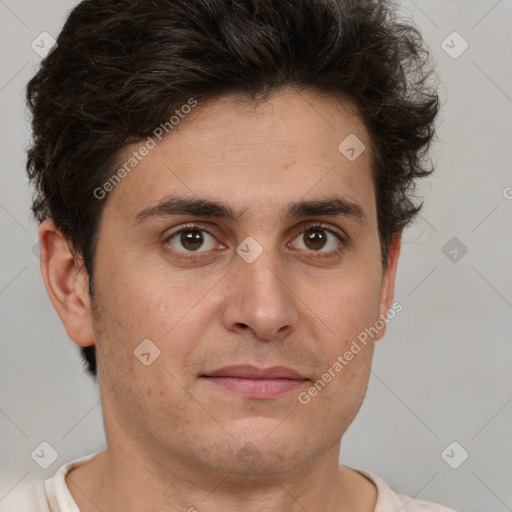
(250, 155)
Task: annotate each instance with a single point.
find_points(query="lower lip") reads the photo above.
(257, 388)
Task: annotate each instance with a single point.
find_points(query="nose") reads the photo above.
(260, 298)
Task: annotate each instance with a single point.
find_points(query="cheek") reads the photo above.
(346, 303)
(140, 304)
(348, 306)
(156, 393)
(339, 389)
(146, 301)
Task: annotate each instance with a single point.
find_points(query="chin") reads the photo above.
(258, 450)
(259, 464)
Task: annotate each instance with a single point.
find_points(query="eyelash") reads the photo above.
(318, 225)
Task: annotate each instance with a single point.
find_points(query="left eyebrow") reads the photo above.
(198, 207)
(329, 206)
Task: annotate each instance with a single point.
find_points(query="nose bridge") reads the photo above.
(263, 280)
(261, 298)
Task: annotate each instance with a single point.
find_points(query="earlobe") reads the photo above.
(66, 283)
(387, 289)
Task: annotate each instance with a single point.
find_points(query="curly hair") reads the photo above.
(122, 67)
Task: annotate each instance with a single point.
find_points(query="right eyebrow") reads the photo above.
(175, 205)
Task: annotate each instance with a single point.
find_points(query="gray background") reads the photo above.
(442, 372)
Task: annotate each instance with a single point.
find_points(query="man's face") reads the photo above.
(299, 304)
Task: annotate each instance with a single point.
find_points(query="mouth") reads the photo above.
(254, 382)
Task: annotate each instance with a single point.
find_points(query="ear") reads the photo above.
(66, 282)
(387, 288)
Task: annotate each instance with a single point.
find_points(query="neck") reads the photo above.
(136, 473)
(120, 479)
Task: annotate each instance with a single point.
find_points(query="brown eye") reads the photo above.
(315, 239)
(319, 239)
(191, 239)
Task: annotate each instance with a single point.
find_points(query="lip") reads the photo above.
(247, 371)
(254, 382)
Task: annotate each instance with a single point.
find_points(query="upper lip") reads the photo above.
(253, 372)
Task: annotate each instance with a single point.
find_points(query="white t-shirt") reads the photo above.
(52, 495)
